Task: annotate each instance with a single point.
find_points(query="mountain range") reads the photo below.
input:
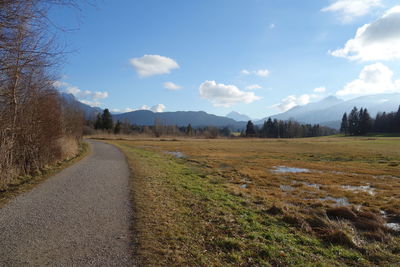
(329, 111)
(326, 112)
(179, 118)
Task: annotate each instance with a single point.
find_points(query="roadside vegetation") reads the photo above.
(317, 202)
(24, 183)
(37, 128)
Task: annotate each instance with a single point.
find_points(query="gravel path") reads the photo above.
(79, 217)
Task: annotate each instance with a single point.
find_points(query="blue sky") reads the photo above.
(257, 57)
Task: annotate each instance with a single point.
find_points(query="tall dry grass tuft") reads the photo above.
(69, 147)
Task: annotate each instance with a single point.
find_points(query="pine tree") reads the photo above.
(107, 121)
(344, 125)
(365, 122)
(264, 130)
(353, 121)
(250, 131)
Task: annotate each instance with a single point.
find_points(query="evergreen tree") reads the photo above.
(344, 125)
(270, 126)
(353, 121)
(365, 122)
(264, 130)
(189, 130)
(117, 128)
(275, 129)
(250, 131)
(107, 122)
(98, 125)
(397, 123)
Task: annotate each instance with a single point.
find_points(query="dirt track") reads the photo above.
(79, 217)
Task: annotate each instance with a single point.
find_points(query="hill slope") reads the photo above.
(179, 118)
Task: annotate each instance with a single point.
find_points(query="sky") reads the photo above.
(256, 57)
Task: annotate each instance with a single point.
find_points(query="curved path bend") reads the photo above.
(79, 217)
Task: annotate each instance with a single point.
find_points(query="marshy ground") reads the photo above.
(319, 201)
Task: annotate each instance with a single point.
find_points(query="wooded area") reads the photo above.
(359, 122)
(36, 128)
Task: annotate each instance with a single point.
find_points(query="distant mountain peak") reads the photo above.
(331, 98)
(238, 116)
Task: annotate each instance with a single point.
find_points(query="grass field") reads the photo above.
(329, 201)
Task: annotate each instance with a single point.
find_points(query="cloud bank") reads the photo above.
(379, 40)
(373, 79)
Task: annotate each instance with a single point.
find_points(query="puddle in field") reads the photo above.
(244, 186)
(340, 201)
(316, 186)
(176, 154)
(284, 169)
(286, 188)
(393, 226)
(362, 188)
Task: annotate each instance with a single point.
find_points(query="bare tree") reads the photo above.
(33, 118)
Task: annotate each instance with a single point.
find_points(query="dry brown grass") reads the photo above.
(69, 147)
(245, 168)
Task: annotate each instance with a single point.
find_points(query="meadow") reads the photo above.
(328, 201)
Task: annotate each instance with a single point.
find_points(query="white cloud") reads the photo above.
(222, 95)
(172, 86)
(253, 87)
(144, 107)
(155, 108)
(59, 84)
(272, 26)
(373, 79)
(261, 73)
(245, 72)
(90, 103)
(158, 108)
(100, 95)
(117, 110)
(293, 101)
(85, 96)
(150, 65)
(348, 10)
(379, 40)
(320, 90)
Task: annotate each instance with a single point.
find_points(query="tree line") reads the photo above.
(36, 127)
(104, 123)
(286, 129)
(359, 122)
(270, 129)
